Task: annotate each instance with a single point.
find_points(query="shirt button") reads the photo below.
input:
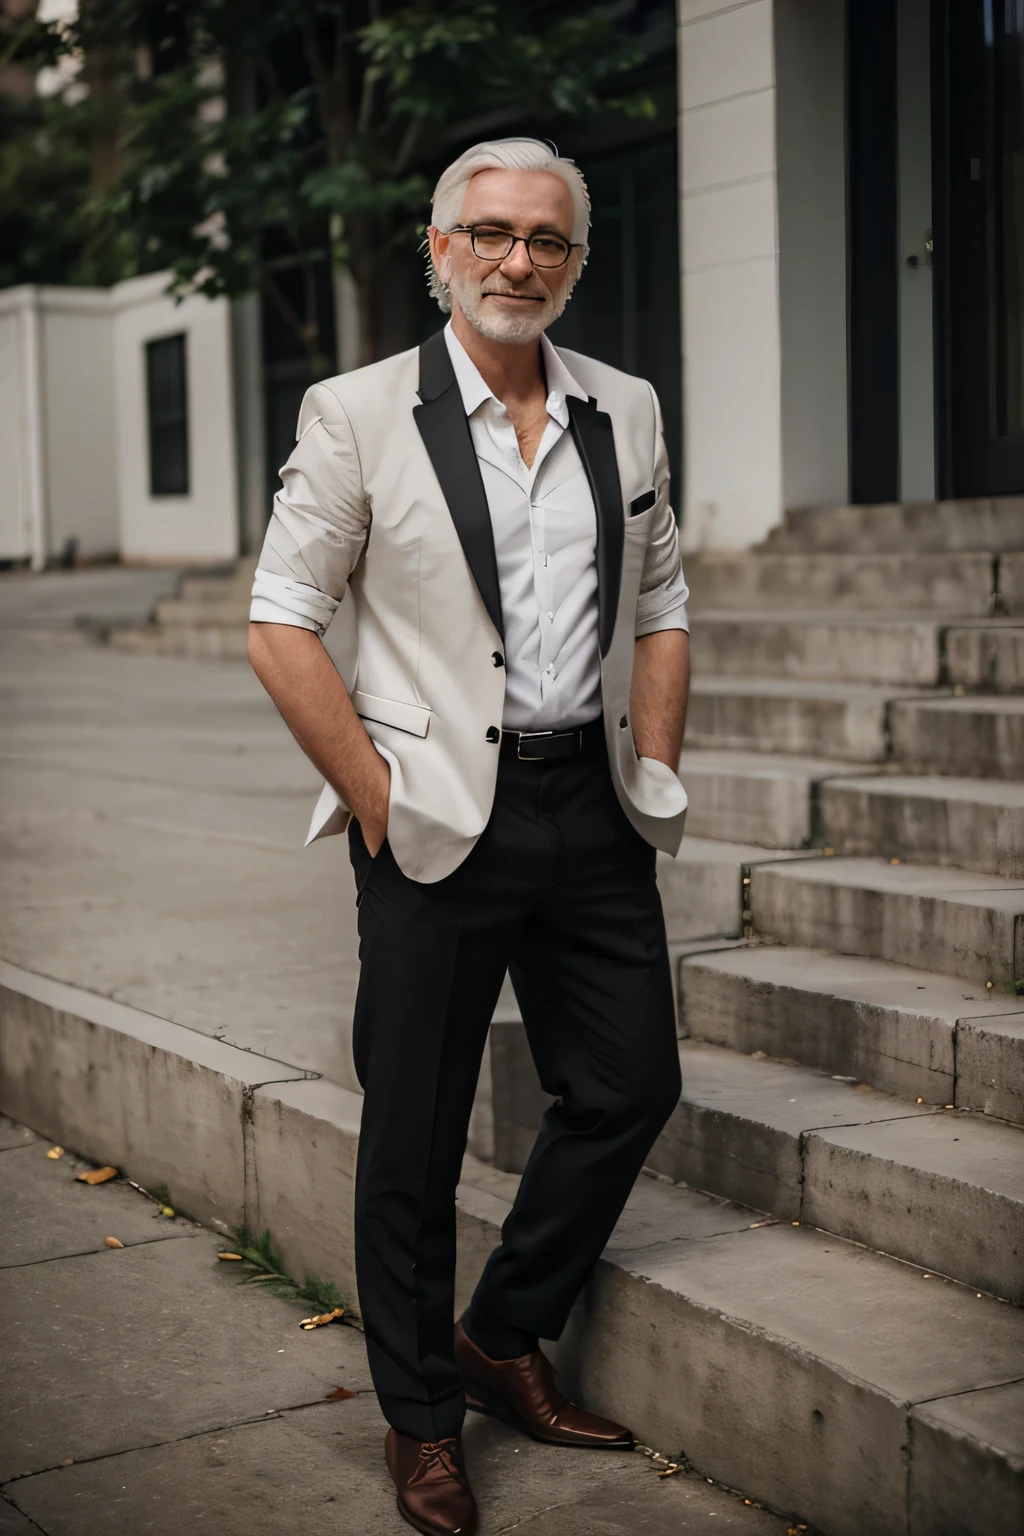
(551, 617)
(498, 659)
(493, 734)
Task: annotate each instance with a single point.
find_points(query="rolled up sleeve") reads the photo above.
(663, 589)
(319, 524)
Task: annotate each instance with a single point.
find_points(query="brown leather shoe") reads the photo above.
(523, 1392)
(434, 1495)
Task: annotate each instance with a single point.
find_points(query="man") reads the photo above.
(498, 513)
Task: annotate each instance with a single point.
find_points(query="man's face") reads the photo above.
(509, 300)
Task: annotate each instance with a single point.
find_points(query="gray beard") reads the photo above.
(518, 329)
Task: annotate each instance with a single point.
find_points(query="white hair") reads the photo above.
(503, 155)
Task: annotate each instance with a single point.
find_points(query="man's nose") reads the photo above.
(517, 266)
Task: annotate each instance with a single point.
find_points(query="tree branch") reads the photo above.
(408, 143)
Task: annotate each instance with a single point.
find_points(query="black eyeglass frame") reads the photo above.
(472, 229)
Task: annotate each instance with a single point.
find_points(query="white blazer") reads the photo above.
(387, 503)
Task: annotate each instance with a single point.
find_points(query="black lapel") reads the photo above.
(444, 429)
(595, 443)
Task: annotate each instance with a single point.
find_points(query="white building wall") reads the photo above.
(16, 531)
(732, 349)
(78, 431)
(57, 457)
(202, 526)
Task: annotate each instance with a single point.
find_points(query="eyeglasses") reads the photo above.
(496, 244)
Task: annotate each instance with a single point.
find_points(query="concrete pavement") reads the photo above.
(147, 1391)
(152, 814)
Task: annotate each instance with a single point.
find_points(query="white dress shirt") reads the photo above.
(545, 541)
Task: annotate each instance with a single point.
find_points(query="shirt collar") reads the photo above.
(474, 391)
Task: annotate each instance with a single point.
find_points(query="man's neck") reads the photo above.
(512, 371)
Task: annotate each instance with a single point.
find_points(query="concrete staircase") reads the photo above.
(847, 916)
(208, 617)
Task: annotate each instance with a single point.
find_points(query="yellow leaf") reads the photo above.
(167, 1210)
(236, 1256)
(113, 1242)
(322, 1318)
(55, 1152)
(96, 1175)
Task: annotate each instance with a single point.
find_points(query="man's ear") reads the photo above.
(439, 243)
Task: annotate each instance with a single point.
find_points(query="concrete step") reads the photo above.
(942, 1189)
(901, 583)
(1011, 584)
(924, 527)
(209, 588)
(703, 887)
(790, 1363)
(971, 737)
(760, 797)
(971, 823)
(854, 648)
(914, 1033)
(935, 1187)
(945, 920)
(843, 721)
(175, 612)
(987, 654)
(201, 641)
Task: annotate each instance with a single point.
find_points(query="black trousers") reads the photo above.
(560, 890)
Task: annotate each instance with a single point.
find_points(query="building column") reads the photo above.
(764, 264)
(731, 344)
(250, 424)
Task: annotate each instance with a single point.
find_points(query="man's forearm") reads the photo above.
(314, 703)
(659, 694)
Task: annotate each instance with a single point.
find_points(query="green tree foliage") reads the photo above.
(258, 137)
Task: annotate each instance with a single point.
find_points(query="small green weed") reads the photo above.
(262, 1256)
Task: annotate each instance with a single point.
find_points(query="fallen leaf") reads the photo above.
(167, 1210)
(55, 1152)
(236, 1256)
(96, 1175)
(321, 1319)
(338, 1395)
(113, 1242)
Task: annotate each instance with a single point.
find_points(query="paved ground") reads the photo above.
(147, 1392)
(152, 814)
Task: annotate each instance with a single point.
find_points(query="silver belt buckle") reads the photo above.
(531, 757)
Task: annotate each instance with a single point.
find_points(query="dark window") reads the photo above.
(167, 406)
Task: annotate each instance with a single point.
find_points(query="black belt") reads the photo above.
(549, 746)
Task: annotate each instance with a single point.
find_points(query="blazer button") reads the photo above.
(493, 734)
(498, 659)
